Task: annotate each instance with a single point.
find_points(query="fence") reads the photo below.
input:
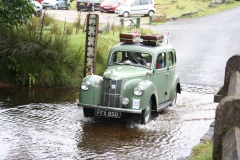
(137, 24)
(226, 138)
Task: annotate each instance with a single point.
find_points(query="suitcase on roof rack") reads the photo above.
(128, 37)
(152, 39)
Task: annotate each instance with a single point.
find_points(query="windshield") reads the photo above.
(127, 3)
(131, 58)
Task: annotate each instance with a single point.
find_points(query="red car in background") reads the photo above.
(110, 5)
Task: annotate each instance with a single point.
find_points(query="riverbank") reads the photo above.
(6, 84)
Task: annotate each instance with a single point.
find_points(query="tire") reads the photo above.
(68, 7)
(146, 115)
(175, 98)
(150, 13)
(125, 14)
(87, 112)
(56, 7)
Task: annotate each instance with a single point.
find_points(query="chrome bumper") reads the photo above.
(110, 108)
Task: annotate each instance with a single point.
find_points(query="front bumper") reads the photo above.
(48, 5)
(131, 111)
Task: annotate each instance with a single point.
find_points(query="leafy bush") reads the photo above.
(30, 56)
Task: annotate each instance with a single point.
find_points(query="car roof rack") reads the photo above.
(147, 39)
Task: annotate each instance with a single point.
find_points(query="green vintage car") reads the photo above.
(139, 79)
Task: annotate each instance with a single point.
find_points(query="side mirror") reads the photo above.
(90, 69)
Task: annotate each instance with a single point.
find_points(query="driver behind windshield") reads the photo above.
(130, 58)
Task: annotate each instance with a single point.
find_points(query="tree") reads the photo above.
(15, 12)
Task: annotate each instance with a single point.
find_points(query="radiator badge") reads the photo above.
(106, 85)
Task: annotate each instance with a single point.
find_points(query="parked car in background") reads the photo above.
(110, 5)
(140, 79)
(37, 7)
(136, 7)
(56, 4)
(90, 5)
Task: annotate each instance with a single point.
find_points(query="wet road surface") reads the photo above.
(54, 128)
(204, 45)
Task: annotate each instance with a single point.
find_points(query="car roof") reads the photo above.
(138, 46)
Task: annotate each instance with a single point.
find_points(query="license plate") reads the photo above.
(82, 4)
(112, 114)
(136, 103)
(106, 7)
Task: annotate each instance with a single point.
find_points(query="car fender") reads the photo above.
(93, 95)
(148, 87)
(175, 85)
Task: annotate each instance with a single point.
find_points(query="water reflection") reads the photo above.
(47, 124)
(15, 96)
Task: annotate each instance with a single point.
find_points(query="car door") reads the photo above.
(60, 3)
(135, 7)
(144, 7)
(160, 78)
(171, 69)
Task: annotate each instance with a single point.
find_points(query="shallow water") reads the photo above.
(48, 124)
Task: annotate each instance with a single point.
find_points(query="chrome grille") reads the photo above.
(111, 92)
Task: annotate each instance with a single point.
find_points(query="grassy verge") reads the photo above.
(202, 151)
(186, 6)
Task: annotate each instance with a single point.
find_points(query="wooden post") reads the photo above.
(91, 43)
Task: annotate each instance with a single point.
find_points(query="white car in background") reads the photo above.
(56, 4)
(136, 7)
(37, 7)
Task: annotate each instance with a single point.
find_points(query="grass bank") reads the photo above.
(202, 151)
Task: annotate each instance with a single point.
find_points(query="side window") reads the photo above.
(144, 2)
(161, 61)
(151, 1)
(136, 2)
(171, 59)
(116, 57)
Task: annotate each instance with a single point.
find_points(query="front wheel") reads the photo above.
(68, 7)
(146, 115)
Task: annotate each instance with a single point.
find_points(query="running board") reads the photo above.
(163, 105)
